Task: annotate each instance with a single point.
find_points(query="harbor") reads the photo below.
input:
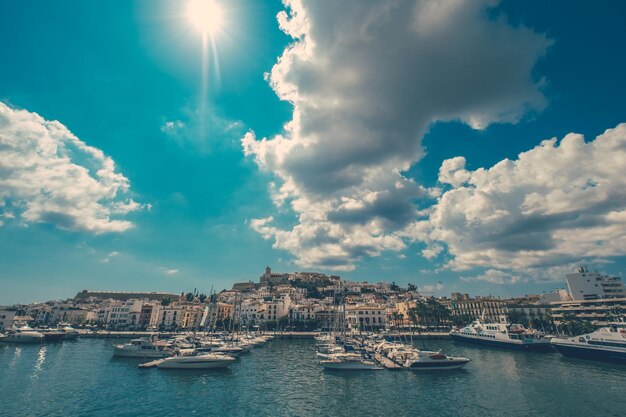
(283, 377)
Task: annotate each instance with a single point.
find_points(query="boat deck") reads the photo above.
(150, 364)
(386, 362)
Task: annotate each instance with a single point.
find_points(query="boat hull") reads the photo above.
(20, 338)
(53, 337)
(343, 366)
(432, 366)
(193, 364)
(529, 347)
(591, 353)
(138, 354)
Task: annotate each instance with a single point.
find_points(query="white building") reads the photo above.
(555, 296)
(366, 315)
(6, 319)
(304, 312)
(585, 285)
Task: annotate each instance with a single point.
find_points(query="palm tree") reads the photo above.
(615, 314)
(422, 311)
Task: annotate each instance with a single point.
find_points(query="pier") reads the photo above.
(110, 334)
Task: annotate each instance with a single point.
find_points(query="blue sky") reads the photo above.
(382, 97)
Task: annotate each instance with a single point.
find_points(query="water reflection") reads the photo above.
(41, 358)
(16, 357)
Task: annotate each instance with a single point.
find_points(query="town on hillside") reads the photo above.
(311, 301)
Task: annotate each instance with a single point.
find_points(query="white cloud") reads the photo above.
(108, 258)
(494, 276)
(203, 130)
(431, 288)
(48, 175)
(556, 205)
(366, 78)
(168, 271)
(432, 251)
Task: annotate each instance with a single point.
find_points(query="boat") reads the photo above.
(51, 335)
(69, 332)
(24, 334)
(203, 361)
(428, 361)
(605, 344)
(350, 362)
(143, 348)
(510, 336)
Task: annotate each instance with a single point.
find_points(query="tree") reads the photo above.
(412, 287)
(461, 319)
(517, 317)
(615, 314)
(202, 297)
(166, 301)
(394, 287)
(189, 296)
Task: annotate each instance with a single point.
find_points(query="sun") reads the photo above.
(206, 16)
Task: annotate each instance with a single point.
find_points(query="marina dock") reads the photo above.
(109, 334)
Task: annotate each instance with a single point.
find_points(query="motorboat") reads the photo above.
(51, 335)
(426, 360)
(605, 344)
(510, 336)
(69, 332)
(202, 361)
(24, 334)
(350, 362)
(145, 347)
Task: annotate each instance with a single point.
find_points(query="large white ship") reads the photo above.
(605, 344)
(510, 336)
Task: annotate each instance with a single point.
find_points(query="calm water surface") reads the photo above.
(282, 378)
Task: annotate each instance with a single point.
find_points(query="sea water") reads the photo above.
(283, 378)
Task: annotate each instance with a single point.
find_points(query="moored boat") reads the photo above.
(350, 362)
(510, 336)
(606, 344)
(204, 361)
(425, 360)
(24, 334)
(142, 348)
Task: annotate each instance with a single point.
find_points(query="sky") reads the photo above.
(460, 146)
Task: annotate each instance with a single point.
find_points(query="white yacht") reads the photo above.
(143, 348)
(24, 334)
(605, 344)
(511, 336)
(349, 362)
(205, 361)
(69, 333)
(429, 361)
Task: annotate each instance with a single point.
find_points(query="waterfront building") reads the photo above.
(488, 309)
(586, 285)
(169, 317)
(366, 315)
(304, 312)
(225, 311)
(558, 295)
(68, 313)
(529, 313)
(6, 319)
(191, 317)
(599, 312)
